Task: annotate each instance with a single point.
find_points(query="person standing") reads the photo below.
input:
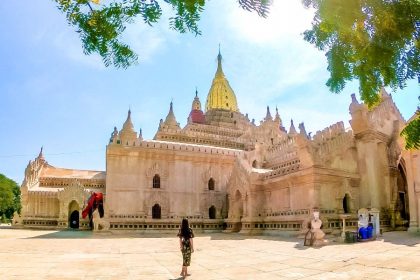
(186, 245)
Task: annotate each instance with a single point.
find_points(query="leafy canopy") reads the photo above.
(374, 41)
(101, 26)
(411, 133)
(9, 197)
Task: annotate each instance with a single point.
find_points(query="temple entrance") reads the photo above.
(402, 212)
(74, 215)
(212, 212)
(237, 213)
(346, 204)
(156, 211)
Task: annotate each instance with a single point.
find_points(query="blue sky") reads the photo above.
(52, 95)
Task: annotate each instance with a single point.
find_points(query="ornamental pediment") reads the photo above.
(74, 191)
(156, 168)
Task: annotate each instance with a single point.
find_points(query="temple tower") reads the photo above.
(221, 95)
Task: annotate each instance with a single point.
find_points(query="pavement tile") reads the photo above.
(37, 254)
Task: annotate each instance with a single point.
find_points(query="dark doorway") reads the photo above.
(402, 207)
(156, 211)
(74, 219)
(212, 212)
(346, 204)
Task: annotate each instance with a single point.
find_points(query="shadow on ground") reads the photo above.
(396, 237)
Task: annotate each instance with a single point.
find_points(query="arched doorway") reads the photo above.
(74, 215)
(156, 211)
(237, 212)
(212, 212)
(402, 212)
(346, 204)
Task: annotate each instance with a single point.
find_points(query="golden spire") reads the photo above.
(221, 95)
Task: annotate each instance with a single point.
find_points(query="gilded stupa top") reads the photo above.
(221, 95)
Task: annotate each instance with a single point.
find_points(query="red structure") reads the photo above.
(94, 201)
(197, 116)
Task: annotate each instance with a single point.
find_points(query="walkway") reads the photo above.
(34, 254)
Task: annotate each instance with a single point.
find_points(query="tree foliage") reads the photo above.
(9, 197)
(411, 133)
(101, 26)
(374, 41)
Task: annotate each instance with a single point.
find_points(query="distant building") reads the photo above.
(224, 172)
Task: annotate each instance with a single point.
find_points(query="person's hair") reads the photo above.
(185, 228)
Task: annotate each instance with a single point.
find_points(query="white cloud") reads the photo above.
(285, 20)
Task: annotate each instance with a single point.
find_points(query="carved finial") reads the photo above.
(302, 130)
(41, 155)
(354, 105)
(354, 99)
(170, 118)
(268, 115)
(219, 70)
(292, 129)
(140, 135)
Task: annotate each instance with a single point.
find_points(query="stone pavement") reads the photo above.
(36, 254)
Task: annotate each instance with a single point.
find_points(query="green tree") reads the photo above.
(376, 42)
(411, 132)
(101, 25)
(9, 197)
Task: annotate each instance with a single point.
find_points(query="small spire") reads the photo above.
(128, 124)
(302, 130)
(115, 132)
(268, 115)
(141, 134)
(292, 129)
(41, 155)
(219, 63)
(354, 99)
(170, 118)
(196, 104)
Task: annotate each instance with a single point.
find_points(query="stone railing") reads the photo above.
(290, 167)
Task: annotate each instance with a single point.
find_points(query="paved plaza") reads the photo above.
(36, 254)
